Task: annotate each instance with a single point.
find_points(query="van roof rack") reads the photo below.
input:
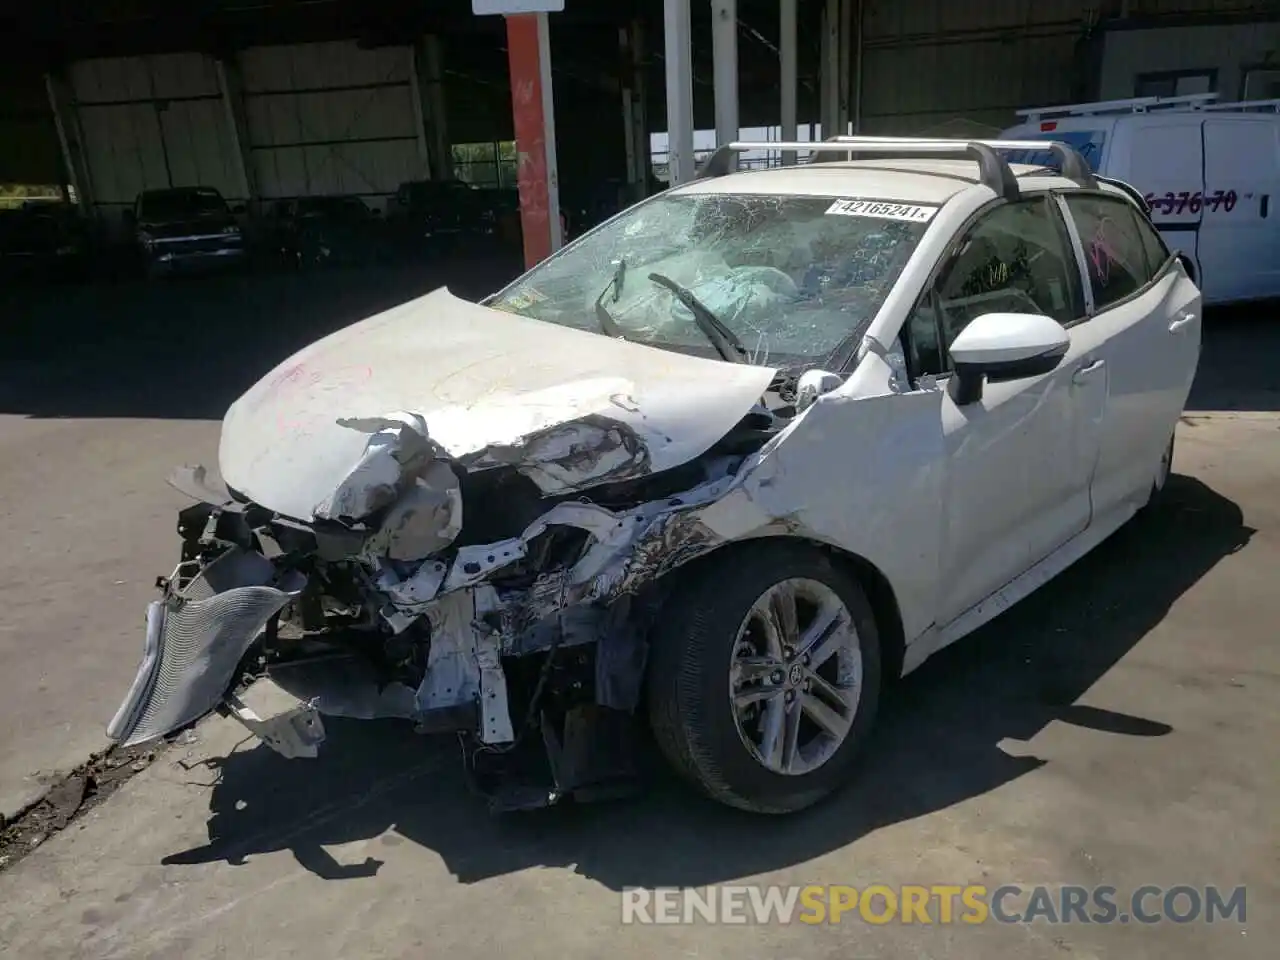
(1272, 106)
(993, 168)
(1191, 101)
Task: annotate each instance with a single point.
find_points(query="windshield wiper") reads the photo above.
(722, 338)
(603, 316)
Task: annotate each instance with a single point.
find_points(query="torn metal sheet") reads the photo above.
(344, 686)
(290, 727)
(478, 378)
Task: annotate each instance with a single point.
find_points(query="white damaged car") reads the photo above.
(725, 466)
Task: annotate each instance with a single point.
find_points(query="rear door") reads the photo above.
(1239, 249)
(1162, 155)
(1144, 316)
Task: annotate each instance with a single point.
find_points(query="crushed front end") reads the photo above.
(455, 593)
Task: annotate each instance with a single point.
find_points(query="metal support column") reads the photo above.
(845, 70)
(428, 76)
(679, 56)
(231, 86)
(67, 123)
(529, 62)
(635, 121)
(857, 68)
(419, 110)
(829, 68)
(724, 52)
(788, 67)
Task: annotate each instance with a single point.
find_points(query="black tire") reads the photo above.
(689, 684)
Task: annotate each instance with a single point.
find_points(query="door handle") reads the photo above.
(1184, 321)
(1086, 371)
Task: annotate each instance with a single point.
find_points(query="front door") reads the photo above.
(1019, 461)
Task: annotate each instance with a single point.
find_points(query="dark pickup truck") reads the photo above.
(314, 231)
(45, 240)
(185, 227)
(433, 213)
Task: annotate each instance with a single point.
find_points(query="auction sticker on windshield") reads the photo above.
(879, 209)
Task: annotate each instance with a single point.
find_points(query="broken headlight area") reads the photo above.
(463, 599)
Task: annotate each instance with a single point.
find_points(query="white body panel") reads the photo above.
(479, 377)
(1150, 345)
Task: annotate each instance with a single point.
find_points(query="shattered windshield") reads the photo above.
(795, 278)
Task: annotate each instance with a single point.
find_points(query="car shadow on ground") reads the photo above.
(185, 347)
(938, 743)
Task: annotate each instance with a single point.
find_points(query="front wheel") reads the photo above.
(765, 677)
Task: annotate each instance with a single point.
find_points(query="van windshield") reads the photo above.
(1088, 143)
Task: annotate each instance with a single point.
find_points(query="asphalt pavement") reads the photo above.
(1119, 727)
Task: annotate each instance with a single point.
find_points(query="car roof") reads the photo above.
(910, 180)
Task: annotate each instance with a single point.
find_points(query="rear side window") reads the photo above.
(1115, 250)
(1157, 251)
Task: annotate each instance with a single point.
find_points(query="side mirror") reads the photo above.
(238, 209)
(1005, 346)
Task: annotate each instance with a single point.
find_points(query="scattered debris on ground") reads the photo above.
(70, 798)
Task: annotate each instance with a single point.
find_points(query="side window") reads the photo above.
(1157, 250)
(1114, 249)
(1016, 259)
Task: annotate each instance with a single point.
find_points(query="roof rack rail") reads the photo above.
(992, 167)
(1245, 105)
(1193, 101)
(1074, 166)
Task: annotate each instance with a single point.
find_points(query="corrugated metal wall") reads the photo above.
(331, 118)
(1228, 49)
(930, 65)
(153, 122)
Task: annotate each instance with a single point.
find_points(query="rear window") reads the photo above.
(1088, 143)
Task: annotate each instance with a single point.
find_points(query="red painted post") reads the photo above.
(535, 135)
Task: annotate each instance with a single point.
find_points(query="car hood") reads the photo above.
(569, 408)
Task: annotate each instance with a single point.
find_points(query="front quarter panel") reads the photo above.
(862, 474)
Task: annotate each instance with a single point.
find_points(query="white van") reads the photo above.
(1210, 173)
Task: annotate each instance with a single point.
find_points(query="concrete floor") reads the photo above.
(1118, 728)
